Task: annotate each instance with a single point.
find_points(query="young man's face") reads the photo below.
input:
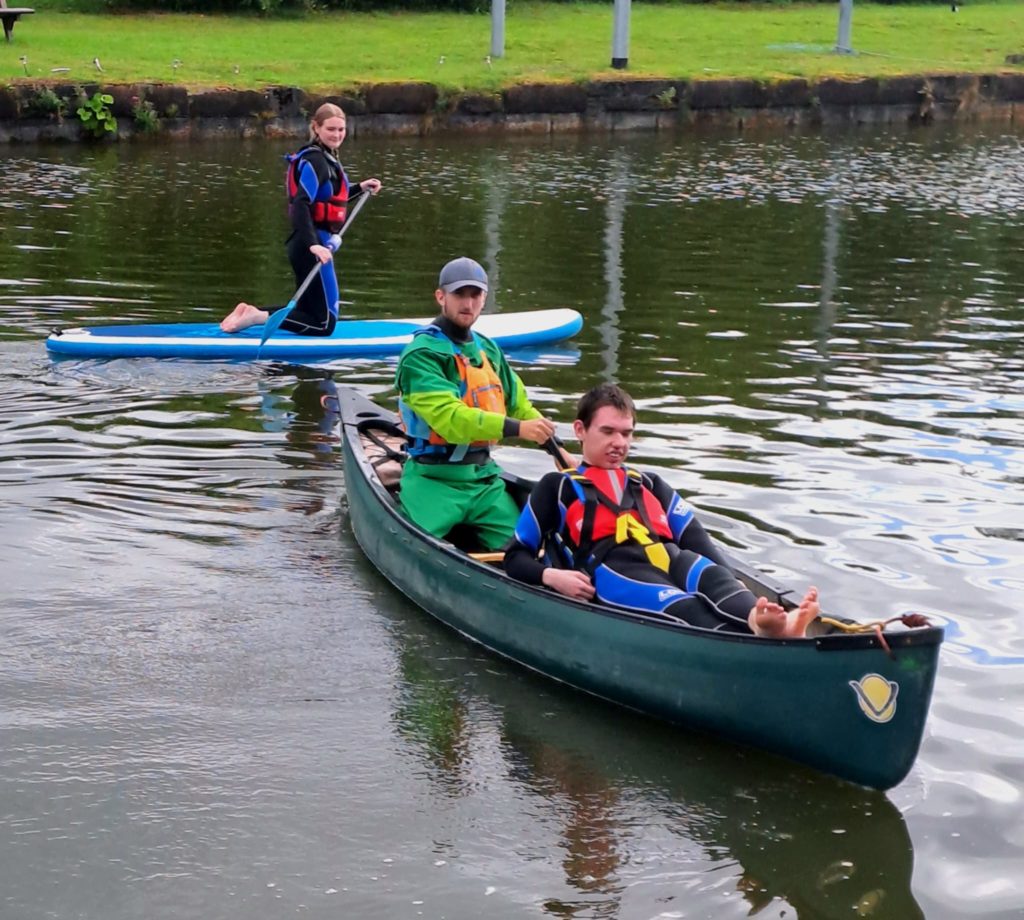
(461, 307)
(606, 440)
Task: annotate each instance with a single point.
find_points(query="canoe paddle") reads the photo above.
(279, 316)
(563, 459)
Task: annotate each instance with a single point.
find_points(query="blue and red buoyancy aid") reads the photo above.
(328, 206)
(613, 506)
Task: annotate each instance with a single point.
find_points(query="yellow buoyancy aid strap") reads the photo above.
(628, 527)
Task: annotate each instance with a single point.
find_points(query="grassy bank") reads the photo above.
(544, 42)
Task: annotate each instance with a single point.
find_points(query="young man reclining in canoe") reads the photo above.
(628, 539)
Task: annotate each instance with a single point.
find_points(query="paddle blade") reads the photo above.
(273, 323)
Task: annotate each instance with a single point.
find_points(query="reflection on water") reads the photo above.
(619, 788)
(207, 691)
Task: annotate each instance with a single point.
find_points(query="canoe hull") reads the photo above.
(351, 338)
(803, 699)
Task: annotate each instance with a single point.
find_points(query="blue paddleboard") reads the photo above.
(352, 338)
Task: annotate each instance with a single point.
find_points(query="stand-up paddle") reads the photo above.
(275, 319)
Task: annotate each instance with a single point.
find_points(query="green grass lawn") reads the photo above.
(544, 42)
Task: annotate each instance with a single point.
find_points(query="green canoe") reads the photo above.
(839, 702)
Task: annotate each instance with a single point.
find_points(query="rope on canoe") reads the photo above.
(910, 620)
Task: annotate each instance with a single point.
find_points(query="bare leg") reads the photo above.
(768, 619)
(242, 317)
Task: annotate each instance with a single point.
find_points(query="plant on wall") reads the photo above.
(145, 115)
(45, 103)
(96, 117)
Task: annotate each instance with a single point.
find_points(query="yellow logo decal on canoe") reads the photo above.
(877, 696)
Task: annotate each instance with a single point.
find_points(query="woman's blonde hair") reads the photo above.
(327, 110)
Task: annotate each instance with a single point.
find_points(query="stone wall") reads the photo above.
(605, 105)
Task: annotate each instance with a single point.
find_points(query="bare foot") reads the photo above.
(805, 614)
(242, 317)
(768, 619)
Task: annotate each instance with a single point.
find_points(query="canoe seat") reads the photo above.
(466, 538)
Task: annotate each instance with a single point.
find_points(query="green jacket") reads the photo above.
(428, 381)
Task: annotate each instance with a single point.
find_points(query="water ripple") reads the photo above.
(823, 336)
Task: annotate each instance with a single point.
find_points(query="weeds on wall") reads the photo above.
(96, 116)
(45, 103)
(145, 116)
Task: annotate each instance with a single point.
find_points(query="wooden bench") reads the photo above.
(10, 15)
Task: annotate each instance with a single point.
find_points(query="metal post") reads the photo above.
(843, 45)
(620, 35)
(497, 28)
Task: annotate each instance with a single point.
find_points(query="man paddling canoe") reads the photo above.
(458, 398)
(629, 540)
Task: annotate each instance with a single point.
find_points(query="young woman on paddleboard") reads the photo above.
(319, 197)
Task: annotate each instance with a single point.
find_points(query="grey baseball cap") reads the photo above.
(462, 272)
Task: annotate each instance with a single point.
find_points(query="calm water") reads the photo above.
(213, 707)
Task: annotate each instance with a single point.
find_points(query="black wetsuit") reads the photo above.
(318, 174)
(698, 587)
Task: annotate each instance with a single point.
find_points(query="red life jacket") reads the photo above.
(330, 208)
(606, 496)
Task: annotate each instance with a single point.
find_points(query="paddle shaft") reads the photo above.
(332, 246)
(556, 448)
(275, 320)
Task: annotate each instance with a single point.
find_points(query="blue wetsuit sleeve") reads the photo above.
(542, 516)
